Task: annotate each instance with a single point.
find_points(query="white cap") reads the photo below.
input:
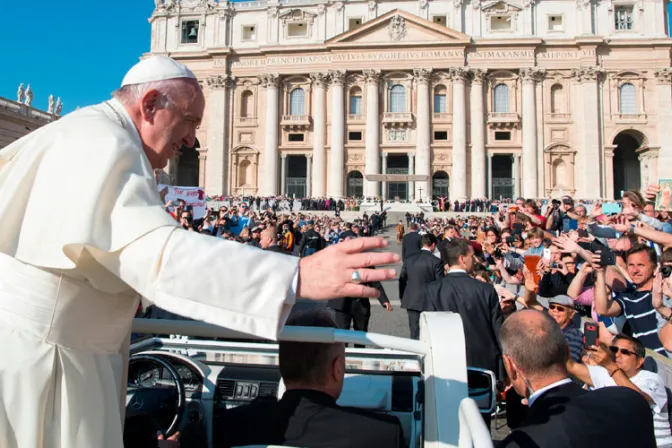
(156, 68)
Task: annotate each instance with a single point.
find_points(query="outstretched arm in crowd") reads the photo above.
(662, 238)
(660, 287)
(603, 304)
(575, 288)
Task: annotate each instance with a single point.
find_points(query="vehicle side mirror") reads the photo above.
(482, 388)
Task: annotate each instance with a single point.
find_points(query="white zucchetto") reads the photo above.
(156, 68)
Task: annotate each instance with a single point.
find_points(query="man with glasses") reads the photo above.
(561, 309)
(621, 365)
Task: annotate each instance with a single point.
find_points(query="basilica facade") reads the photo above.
(411, 100)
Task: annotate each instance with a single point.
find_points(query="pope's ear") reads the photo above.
(149, 104)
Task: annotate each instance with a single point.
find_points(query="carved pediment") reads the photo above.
(296, 15)
(398, 27)
(500, 7)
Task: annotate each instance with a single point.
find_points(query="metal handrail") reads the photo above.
(473, 432)
(295, 334)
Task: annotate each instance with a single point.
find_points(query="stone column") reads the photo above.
(372, 165)
(589, 184)
(411, 171)
(319, 134)
(271, 82)
(664, 110)
(423, 129)
(530, 179)
(216, 174)
(516, 175)
(337, 153)
(489, 176)
(309, 176)
(459, 171)
(283, 175)
(383, 185)
(609, 170)
(477, 123)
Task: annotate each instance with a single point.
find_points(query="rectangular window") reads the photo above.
(624, 18)
(500, 23)
(297, 30)
(440, 103)
(354, 23)
(555, 23)
(440, 135)
(249, 32)
(441, 20)
(355, 136)
(190, 32)
(295, 137)
(355, 105)
(502, 136)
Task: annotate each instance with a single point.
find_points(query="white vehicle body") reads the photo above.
(438, 412)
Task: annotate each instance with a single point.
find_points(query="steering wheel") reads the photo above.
(149, 401)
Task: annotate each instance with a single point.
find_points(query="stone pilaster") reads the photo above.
(319, 134)
(530, 76)
(423, 129)
(372, 165)
(216, 179)
(337, 152)
(458, 174)
(664, 111)
(272, 84)
(477, 123)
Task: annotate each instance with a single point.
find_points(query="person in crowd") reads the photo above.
(476, 302)
(410, 244)
(621, 364)
(560, 413)
(269, 241)
(400, 231)
(307, 414)
(416, 273)
(311, 241)
(561, 309)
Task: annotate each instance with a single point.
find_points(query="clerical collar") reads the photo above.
(457, 271)
(540, 392)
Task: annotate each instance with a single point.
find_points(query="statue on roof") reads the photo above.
(29, 96)
(20, 94)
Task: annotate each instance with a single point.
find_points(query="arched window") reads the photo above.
(628, 100)
(243, 170)
(501, 98)
(246, 104)
(440, 184)
(440, 105)
(557, 99)
(297, 102)
(356, 101)
(397, 98)
(355, 184)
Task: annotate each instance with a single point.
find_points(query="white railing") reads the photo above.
(473, 432)
(246, 121)
(248, 5)
(28, 111)
(503, 116)
(398, 116)
(356, 117)
(442, 116)
(629, 118)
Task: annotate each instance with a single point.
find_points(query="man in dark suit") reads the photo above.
(307, 414)
(418, 271)
(476, 302)
(410, 244)
(561, 414)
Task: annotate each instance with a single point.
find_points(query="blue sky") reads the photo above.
(76, 49)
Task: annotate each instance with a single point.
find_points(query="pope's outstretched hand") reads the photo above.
(328, 273)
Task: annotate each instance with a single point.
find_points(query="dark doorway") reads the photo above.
(187, 166)
(355, 185)
(440, 185)
(502, 177)
(397, 164)
(627, 174)
(296, 176)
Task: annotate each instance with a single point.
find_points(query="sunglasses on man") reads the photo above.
(560, 308)
(624, 351)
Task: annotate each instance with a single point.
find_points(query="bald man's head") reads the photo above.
(268, 238)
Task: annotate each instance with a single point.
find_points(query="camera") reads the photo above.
(666, 271)
(498, 253)
(555, 265)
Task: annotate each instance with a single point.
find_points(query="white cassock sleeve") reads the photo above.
(209, 279)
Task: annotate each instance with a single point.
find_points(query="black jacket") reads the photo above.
(478, 305)
(568, 416)
(306, 418)
(311, 239)
(554, 284)
(344, 305)
(410, 245)
(418, 271)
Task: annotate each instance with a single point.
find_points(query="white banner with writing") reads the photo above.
(194, 196)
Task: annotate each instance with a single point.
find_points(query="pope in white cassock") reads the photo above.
(84, 231)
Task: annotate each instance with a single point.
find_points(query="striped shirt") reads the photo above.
(575, 341)
(641, 315)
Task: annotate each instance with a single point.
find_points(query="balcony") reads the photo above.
(295, 122)
(397, 119)
(503, 120)
(629, 118)
(442, 117)
(356, 118)
(559, 118)
(246, 121)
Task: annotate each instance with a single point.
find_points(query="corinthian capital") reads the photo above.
(219, 81)
(319, 79)
(478, 75)
(532, 74)
(372, 76)
(337, 77)
(587, 74)
(422, 75)
(663, 75)
(458, 74)
(269, 80)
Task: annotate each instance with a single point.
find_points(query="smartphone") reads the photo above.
(547, 254)
(518, 229)
(583, 233)
(607, 257)
(590, 335)
(611, 208)
(510, 239)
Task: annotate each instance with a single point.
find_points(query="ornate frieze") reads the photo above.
(422, 75)
(321, 9)
(269, 80)
(219, 81)
(588, 73)
(477, 75)
(337, 77)
(663, 75)
(459, 74)
(338, 6)
(272, 12)
(319, 79)
(372, 76)
(397, 28)
(532, 74)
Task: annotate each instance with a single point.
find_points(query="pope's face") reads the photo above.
(166, 129)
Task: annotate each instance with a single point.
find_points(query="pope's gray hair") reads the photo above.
(170, 91)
